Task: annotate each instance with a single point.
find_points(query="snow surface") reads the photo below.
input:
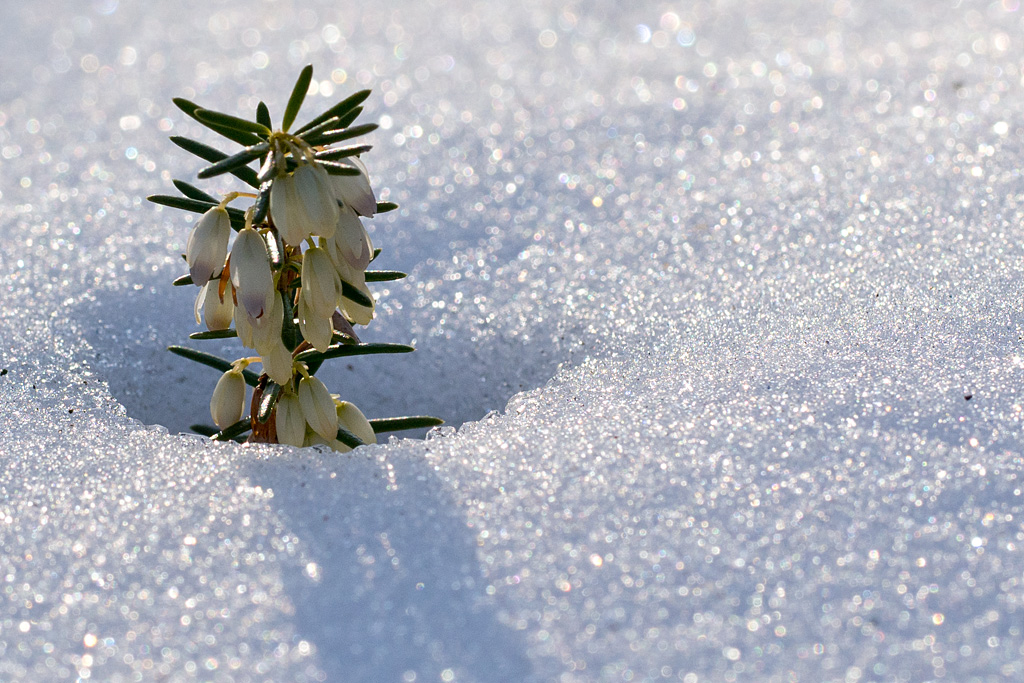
(724, 300)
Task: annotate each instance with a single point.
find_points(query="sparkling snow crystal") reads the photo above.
(723, 298)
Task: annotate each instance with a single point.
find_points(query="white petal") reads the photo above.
(277, 363)
(200, 298)
(243, 326)
(289, 422)
(266, 331)
(352, 419)
(352, 241)
(286, 210)
(216, 312)
(355, 191)
(228, 401)
(316, 330)
(320, 283)
(318, 407)
(317, 197)
(207, 245)
(250, 272)
(357, 313)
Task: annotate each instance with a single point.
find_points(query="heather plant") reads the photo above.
(281, 265)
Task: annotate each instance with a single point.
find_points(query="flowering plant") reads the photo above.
(294, 279)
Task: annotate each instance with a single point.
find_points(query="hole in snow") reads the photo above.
(448, 376)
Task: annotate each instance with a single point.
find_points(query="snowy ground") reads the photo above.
(741, 283)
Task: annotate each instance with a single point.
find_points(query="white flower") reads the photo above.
(251, 274)
(277, 362)
(320, 284)
(355, 190)
(357, 313)
(289, 422)
(351, 242)
(228, 400)
(266, 331)
(217, 312)
(303, 204)
(353, 420)
(207, 245)
(316, 330)
(318, 407)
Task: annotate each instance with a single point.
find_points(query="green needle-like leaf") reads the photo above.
(214, 334)
(297, 97)
(237, 429)
(349, 439)
(268, 401)
(343, 152)
(339, 169)
(398, 424)
(213, 118)
(346, 120)
(345, 350)
(332, 123)
(353, 294)
(338, 110)
(384, 207)
(384, 275)
(234, 161)
(262, 205)
(207, 153)
(193, 192)
(196, 206)
(215, 362)
(182, 281)
(331, 136)
(376, 253)
(205, 430)
(263, 115)
(291, 334)
(241, 137)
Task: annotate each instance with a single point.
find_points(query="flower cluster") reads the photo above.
(293, 282)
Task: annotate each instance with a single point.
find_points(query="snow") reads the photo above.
(723, 301)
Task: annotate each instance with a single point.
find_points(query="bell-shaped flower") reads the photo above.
(354, 190)
(316, 330)
(351, 242)
(356, 312)
(318, 407)
(352, 419)
(243, 327)
(320, 284)
(217, 311)
(303, 203)
(277, 362)
(207, 245)
(228, 400)
(250, 273)
(289, 422)
(266, 331)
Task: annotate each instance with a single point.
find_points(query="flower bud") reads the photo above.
(357, 313)
(277, 362)
(318, 407)
(317, 331)
(217, 312)
(250, 273)
(355, 191)
(320, 284)
(228, 400)
(303, 204)
(290, 424)
(207, 245)
(351, 242)
(353, 420)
